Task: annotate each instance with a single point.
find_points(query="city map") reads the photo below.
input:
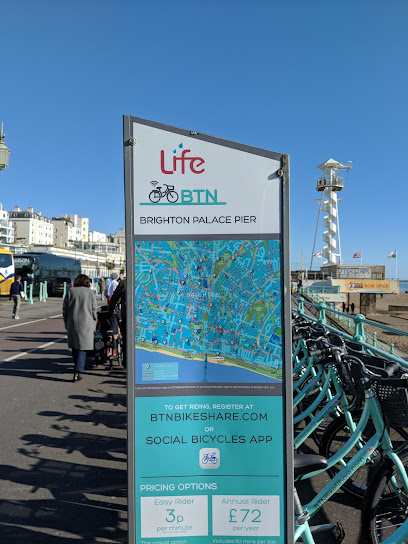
(217, 301)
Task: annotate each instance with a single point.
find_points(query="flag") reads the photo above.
(357, 256)
(393, 255)
(317, 254)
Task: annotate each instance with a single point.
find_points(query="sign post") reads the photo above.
(209, 356)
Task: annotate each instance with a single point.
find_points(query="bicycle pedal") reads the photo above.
(338, 533)
(335, 530)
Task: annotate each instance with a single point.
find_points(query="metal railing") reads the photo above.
(358, 328)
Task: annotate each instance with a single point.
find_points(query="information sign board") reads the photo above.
(209, 371)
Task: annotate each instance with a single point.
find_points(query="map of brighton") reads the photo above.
(217, 301)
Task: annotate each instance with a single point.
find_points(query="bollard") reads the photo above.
(322, 313)
(40, 296)
(65, 290)
(30, 298)
(359, 335)
(45, 292)
(25, 288)
(374, 339)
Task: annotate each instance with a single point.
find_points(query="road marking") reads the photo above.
(21, 354)
(29, 322)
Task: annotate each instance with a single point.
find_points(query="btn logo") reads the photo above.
(188, 197)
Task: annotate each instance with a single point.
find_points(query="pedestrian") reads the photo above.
(16, 293)
(119, 297)
(299, 285)
(113, 284)
(79, 312)
(101, 286)
(352, 307)
(343, 306)
(347, 309)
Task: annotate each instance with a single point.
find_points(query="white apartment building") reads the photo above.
(95, 236)
(31, 227)
(120, 238)
(65, 232)
(6, 227)
(81, 223)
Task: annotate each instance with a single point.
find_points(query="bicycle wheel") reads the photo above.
(385, 510)
(154, 196)
(172, 196)
(336, 436)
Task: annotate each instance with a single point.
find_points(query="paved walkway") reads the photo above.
(63, 444)
(389, 320)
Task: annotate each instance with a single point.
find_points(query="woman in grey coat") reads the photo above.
(79, 312)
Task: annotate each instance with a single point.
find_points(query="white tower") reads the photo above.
(329, 185)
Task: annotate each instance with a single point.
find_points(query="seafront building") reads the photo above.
(69, 236)
(31, 227)
(65, 232)
(6, 227)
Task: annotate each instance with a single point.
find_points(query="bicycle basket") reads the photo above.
(394, 404)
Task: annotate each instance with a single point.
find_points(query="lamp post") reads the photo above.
(4, 151)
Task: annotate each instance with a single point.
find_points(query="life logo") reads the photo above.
(182, 163)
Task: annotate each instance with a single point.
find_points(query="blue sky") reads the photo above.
(314, 79)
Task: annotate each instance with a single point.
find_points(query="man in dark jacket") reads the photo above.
(119, 296)
(15, 290)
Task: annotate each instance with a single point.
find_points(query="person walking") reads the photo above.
(101, 286)
(79, 313)
(112, 285)
(16, 289)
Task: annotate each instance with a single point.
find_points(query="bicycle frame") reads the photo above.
(372, 411)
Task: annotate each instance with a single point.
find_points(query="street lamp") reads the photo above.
(4, 151)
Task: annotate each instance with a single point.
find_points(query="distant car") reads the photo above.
(57, 286)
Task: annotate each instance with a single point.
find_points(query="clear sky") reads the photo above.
(314, 79)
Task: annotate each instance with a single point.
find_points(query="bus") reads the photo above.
(35, 268)
(6, 271)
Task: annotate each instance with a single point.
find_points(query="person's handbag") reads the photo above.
(22, 295)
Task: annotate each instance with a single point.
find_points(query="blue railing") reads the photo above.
(359, 329)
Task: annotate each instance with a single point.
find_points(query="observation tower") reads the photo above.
(329, 184)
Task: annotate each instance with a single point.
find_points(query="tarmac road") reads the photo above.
(63, 447)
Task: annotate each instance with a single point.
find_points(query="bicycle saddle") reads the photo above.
(303, 464)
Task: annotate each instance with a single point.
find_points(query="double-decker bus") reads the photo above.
(38, 267)
(6, 271)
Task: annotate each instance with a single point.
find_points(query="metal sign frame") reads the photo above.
(129, 140)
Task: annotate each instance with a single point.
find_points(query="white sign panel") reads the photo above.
(184, 185)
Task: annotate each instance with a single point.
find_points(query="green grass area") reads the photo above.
(257, 311)
(219, 265)
(278, 331)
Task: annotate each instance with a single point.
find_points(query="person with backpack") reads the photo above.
(16, 290)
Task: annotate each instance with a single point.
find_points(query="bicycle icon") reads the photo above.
(209, 458)
(157, 194)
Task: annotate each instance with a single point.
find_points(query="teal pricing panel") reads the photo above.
(209, 469)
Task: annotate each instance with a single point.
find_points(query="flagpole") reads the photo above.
(361, 258)
(396, 257)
